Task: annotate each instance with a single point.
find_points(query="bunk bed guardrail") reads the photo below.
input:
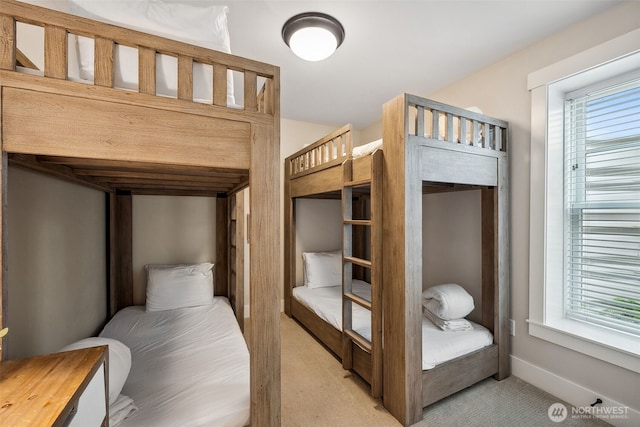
(328, 151)
(449, 124)
(427, 119)
(58, 26)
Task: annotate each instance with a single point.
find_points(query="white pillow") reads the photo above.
(201, 25)
(119, 361)
(322, 269)
(177, 286)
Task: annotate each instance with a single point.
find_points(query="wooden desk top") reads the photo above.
(42, 390)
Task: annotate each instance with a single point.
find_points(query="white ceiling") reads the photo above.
(392, 47)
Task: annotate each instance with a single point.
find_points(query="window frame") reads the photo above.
(548, 87)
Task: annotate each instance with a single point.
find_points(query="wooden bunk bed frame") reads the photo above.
(421, 155)
(126, 143)
(326, 169)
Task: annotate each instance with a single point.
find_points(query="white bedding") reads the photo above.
(326, 302)
(190, 366)
(438, 346)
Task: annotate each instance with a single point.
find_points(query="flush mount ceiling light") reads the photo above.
(313, 36)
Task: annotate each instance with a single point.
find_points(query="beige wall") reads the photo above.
(171, 230)
(452, 243)
(56, 263)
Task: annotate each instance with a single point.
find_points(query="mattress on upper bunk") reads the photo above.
(190, 366)
(199, 25)
(438, 346)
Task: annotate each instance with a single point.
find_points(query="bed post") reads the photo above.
(289, 238)
(402, 266)
(121, 249)
(266, 262)
(222, 235)
(501, 334)
(236, 256)
(3, 250)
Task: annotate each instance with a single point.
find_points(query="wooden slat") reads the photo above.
(185, 77)
(146, 70)
(289, 241)
(124, 250)
(358, 339)
(420, 120)
(358, 183)
(4, 170)
(359, 261)
(55, 52)
(93, 93)
(250, 91)
(8, 40)
(219, 84)
(59, 171)
(222, 254)
(83, 165)
(23, 61)
(358, 300)
(363, 222)
(239, 241)
(103, 59)
(112, 253)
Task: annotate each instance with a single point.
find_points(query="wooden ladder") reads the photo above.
(374, 265)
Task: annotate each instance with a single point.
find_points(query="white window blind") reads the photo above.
(602, 207)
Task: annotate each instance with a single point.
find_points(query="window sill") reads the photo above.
(615, 348)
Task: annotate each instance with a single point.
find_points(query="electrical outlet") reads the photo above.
(512, 327)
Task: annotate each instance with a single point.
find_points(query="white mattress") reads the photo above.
(366, 149)
(190, 366)
(327, 304)
(438, 346)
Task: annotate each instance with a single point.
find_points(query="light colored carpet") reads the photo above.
(316, 391)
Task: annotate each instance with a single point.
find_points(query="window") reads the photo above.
(584, 275)
(602, 206)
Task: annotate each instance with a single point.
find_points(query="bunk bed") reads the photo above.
(348, 321)
(429, 147)
(140, 142)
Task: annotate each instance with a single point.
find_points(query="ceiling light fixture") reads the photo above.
(313, 36)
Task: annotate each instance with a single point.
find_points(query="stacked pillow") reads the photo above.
(446, 306)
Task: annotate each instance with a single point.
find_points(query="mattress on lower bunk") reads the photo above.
(190, 366)
(326, 302)
(438, 346)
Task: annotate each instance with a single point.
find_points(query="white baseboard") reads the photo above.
(573, 393)
(246, 309)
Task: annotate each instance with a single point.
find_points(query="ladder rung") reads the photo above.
(358, 339)
(358, 261)
(358, 300)
(357, 183)
(357, 221)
